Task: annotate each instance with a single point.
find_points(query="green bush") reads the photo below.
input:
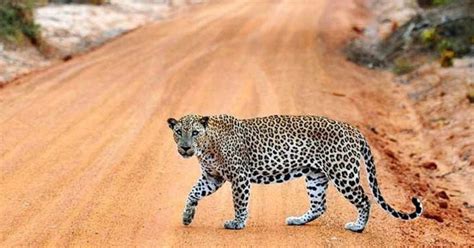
(17, 22)
(451, 40)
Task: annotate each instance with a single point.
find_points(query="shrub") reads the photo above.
(17, 22)
(451, 39)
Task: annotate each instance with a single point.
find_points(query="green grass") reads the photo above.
(17, 23)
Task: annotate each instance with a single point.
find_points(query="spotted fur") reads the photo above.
(276, 149)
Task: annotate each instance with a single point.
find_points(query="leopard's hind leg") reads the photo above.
(345, 177)
(316, 185)
(361, 202)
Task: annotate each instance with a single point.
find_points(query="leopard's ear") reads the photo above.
(172, 122)
(204, 121)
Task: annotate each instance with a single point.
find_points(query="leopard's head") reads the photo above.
(187, 132)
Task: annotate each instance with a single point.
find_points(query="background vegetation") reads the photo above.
(17, 23)
(441, 30)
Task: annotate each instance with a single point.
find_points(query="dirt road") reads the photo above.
(86, 157)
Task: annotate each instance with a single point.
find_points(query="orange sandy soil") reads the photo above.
(86, 157)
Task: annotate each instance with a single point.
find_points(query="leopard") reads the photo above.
(277, 149)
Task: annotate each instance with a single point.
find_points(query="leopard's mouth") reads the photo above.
(186, 154)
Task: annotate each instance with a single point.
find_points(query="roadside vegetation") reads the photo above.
(442, 30)
(34, 33)
(17, 24)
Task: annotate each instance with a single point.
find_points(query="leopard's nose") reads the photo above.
(185, 148)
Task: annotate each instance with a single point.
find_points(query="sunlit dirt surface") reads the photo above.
(87, 159)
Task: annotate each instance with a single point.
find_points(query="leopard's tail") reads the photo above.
(370, 166)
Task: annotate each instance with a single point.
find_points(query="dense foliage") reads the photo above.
(17, 22)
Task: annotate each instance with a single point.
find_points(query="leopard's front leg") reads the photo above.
(205, 186)
(240, 194)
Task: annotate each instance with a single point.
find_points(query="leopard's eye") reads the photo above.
(178, 132)
(195, 133)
